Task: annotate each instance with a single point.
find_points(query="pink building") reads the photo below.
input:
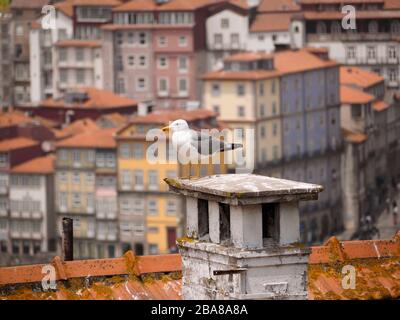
(154, 50)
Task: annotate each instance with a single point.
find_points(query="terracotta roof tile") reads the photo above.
(78, 43)
(380, 105)
(16, 143)
(339, 1)
(392, 4)
(240, 75)
(66, 7)
(377, 265)
(99, 138)
(278, 6)
(359, 77)
(150, 5)
(98, 99)
(28, 4)
(40, 165)
(354, 96)
(354, 137)
(76, 127)
(110, 3)
(269, 22)
(11, 118)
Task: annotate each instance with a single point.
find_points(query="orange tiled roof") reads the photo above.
(285, 62)
(76, 127)
(78, 43)
(100, 138)
(40, 165)
(16, 143)
(268, 22)
(359, 77)
(339, 1)
(354, 137)
(380, 105)
(354, 96)
(28, 4)
(376, 263)
(65, 7)
(392, 4)
(278, 6)
(165, 116)
(98, 99)
(110, 3)
(150, 5)
(14, 117)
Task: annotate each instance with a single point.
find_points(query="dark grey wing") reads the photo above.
(206, 144)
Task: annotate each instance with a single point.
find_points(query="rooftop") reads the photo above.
(376, 262)
(245, 187)
(380, 105)
(110, 3)
(97, 138)
(354, 137)
(278, 6)
(16, 143)
(28, 4)
(76, 127)
(151, 5)
(269, 22)
(350, 95)
(96, 99)
(78, 43)
(66, 7)
(40, 165)
(248, 56)
(15, 117)
(359, 77)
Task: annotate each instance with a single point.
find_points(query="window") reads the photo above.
(224, 23)
(142, 61)
(131, 61)
(19, 29)
(241, 111)
(79, 54)
(80, 76)
(356, 111)
(63, 54)
(138, 178)
(261, 89)
(124, 151)
(76, 199)
(126, 179)
(119, 38)
(162, 41)
(138, 229)
(392, 53)
(163, 62)
(262, 132)
(137, 151)
(321, 27)
(217, 39)
(395, 27)
(262, 110)
(153, 179)
(372, 27)
(153, 248)
(142, 38)
(90, 200)
(120, 88)
(182, 41)
(371, 52)
(274, 108)
(171, 208)
(216, 109)
(63, 76)
(163, 85)
(152, 208)
(183, 86)
(393, 75)
(131, 38)
(240, 89)
(3, 160)
(215, 90)
(182, 64)
(235, 39)
(351, 52)
(76, 178)
(138, 206)
(141, 84)
(335, 27)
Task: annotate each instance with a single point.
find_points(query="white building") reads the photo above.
(43, 71)
(31, 224)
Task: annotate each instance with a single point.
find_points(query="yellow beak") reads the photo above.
(166, 129)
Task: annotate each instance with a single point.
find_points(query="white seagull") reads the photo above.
(196, 144)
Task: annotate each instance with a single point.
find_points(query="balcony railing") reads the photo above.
(356, 36)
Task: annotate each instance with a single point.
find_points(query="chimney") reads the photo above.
(242, 237)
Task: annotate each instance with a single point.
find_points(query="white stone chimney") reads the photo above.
(242, 238)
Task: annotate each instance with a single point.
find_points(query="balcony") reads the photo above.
(356, 36)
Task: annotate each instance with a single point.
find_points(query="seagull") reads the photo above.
(197, 144)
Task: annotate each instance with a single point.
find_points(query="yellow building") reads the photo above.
(245, 94)
(141, 182)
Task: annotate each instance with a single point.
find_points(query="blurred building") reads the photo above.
(291, 99)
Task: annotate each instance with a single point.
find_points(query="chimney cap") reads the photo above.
(245, 189)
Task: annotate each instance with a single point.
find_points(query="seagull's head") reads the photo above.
(177, 125)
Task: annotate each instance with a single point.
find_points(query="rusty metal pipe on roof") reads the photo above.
(67, 239)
